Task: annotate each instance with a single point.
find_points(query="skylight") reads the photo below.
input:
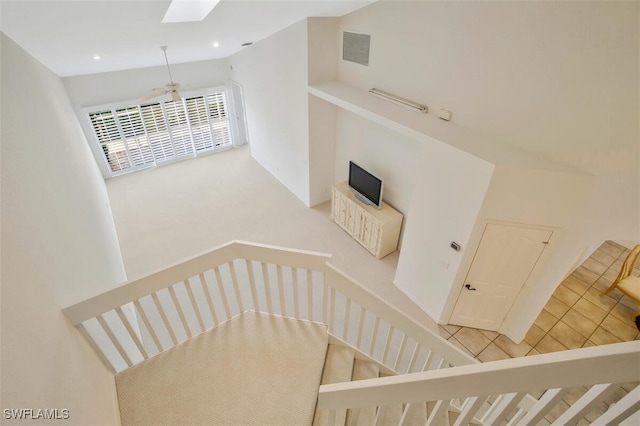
(189, 10)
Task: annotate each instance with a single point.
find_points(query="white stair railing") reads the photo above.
(604, 368)
(379, 330)
(184, 300)
(194, 296)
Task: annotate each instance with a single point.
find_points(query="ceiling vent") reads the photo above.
(355, 47)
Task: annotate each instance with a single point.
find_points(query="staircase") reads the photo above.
(219, 377)
(344, 364)
(382, 367)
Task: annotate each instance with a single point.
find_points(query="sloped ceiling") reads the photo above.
(65, 35)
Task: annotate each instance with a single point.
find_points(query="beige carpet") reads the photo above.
(168, 214)
(256, 369)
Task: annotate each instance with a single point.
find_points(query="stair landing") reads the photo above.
(256, 369)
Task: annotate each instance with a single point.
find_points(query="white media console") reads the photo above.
(377, 230)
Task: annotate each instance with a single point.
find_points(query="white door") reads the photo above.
(502, 264)
(241, 121)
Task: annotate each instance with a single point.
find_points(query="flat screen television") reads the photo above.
(367, 187)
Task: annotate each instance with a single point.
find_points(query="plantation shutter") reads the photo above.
(157, 132)
(108, 135)
(140, 136)
(217, 106)
(199, 120)
(179, 128)
(134, 136)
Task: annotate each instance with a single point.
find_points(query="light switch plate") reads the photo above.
(444, 114)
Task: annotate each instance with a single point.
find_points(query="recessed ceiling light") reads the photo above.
(249, 43)
(216, 44)
(96, 57)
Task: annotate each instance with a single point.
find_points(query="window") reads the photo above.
(147, 135)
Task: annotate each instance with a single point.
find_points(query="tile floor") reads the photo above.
(576, 315)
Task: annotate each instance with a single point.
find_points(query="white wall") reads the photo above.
(322, 146)
(559, 78)
(59, 246)
(273, 73)
(323, 41)
(117, 86)
(389, 155)
(535, 197)
(546, 74)
(448, 193)
(438, 188)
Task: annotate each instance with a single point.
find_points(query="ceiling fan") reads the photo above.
(168, 88)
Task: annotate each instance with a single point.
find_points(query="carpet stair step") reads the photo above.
(390, 414)
(253, 369)
(430, 406)
(338, 368)
(363, 370)
(344, 364)
(416, 414)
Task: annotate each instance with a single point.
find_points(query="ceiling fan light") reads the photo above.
(169, 88)
(188, 10)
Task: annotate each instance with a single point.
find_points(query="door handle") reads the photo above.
(468, 287)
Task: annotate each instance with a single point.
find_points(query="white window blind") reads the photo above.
(146, 135)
